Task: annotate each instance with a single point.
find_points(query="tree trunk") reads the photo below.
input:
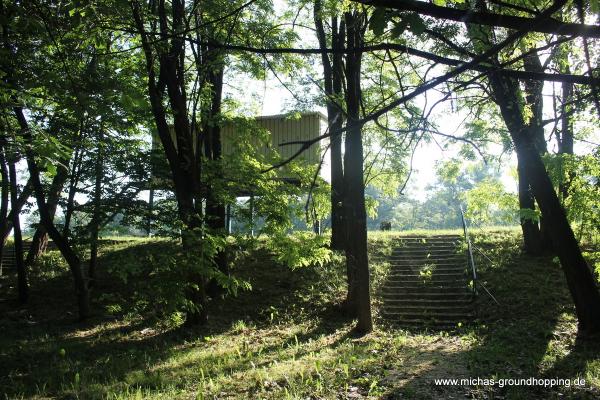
(61, 242)
(338, 225)
(565, 141)
(6, 227)
(332, 77)
(183, 161)
(357, 261)
(95, 222)
(580, 279)
(531, 232)
(73, 182)
(4, 194)
(22, 285)
(39, 242)
(538, 239)
(215, 208)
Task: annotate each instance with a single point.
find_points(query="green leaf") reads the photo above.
(416, 24)
(378, 21)
(399, 28)
(441, 3)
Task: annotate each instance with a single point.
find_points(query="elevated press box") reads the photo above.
(282, 129)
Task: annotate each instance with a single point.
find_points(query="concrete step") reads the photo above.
(457, 294)
(428, 257)
(425, 249)
(430, 238)
(429, 261)
(410, 287)
(414, 275)
(423, 270)
(442, 299)
(450, 279)
(434, 317)
(427, 242)
(422, 291)
(448, 308)
(414, 269)
(420, 272)
(429, 302)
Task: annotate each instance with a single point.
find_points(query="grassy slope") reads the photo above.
(287, 339)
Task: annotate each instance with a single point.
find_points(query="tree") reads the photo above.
(354, 205)
(332, 77)
(193, 151)
(579, 277)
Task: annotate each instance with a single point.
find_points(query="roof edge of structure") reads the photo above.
(283, 115)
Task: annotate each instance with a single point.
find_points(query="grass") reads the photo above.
(287, 337)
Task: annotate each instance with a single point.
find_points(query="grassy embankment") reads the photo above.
(286, 338)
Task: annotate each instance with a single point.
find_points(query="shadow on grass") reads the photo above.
(45, 352)
(284, 335)
(510, 340)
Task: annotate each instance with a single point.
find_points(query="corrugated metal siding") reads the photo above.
(283, 130)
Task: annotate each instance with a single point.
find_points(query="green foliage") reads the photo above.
(49, 264)
(371, 205)
(381, 17)
(307, 348)
(579, 174)
(378, 21)
(158, 275)
(426, 272)
(300, 249)
(488, 203)
(529, 214)
(474, 184)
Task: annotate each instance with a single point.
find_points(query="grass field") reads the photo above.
(286, 338)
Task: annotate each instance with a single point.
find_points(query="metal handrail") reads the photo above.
(470, 260)
(481, 283)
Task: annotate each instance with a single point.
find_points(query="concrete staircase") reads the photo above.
(428, 284)
(9, 262)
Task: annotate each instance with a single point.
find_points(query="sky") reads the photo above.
(269, 97)
(273, 97)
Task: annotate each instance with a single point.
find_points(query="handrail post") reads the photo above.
(470, 260)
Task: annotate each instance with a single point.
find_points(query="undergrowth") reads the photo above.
(287, 337)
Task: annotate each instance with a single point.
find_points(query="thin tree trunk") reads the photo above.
(565, 142)
(22, 285)
(538, 241)
(4, 194)
(332, 74)
(23, 197)
(356, 250)
(150, 213)
(530, 228)
(61, 242)
(215, 209)
(73, 182)
(95, 222)
(39, 242)
(183, 161)
(580, 279)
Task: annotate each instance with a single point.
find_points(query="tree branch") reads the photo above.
(549, 25)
